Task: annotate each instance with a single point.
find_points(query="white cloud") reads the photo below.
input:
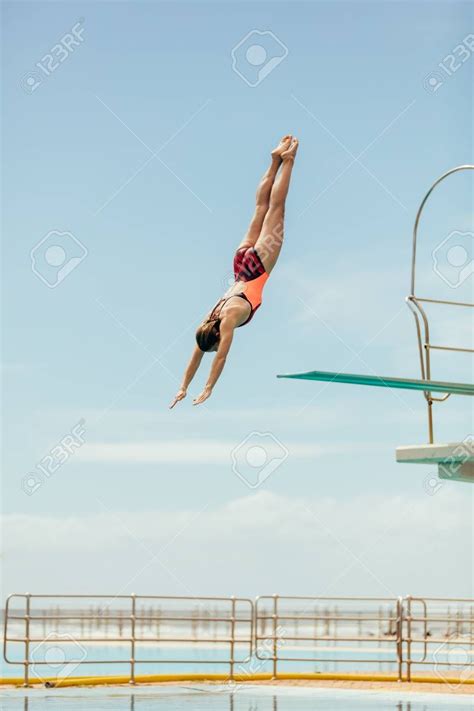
(259, 543)
(132, 424)
(184, 451)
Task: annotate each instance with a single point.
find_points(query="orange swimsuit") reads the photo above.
(249, 269)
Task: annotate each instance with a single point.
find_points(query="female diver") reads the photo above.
(253, 262)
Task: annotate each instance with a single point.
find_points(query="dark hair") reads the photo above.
(208, 334)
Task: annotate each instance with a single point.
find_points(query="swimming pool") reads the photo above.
(247, 698)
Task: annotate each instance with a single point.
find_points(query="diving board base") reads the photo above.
(465, 473)
(455, 461)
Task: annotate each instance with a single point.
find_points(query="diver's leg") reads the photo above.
(270, 241)
(263, 195)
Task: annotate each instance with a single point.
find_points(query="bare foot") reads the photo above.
(282, 147)
(290, 152)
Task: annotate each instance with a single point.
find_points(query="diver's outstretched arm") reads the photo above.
(189, 374)
(225, 342)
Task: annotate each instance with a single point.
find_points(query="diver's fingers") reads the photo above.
(202, 397)
(180, 396)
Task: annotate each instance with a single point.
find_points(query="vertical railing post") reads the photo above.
(399, 637)
(133, 618)
(27, 640)
(408, 640)
(5, 627)
(430, 422)
(253, 628)
(232, 637)
(274, 634)
(425, 629)
(471, 630)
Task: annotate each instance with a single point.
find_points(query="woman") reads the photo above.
(253, 264)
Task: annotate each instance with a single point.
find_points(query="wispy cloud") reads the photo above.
(182, 451)
(341, 541)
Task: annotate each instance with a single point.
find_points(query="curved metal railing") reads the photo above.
(414, 302)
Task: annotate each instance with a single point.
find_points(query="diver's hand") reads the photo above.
(180, 396)
(206, 393)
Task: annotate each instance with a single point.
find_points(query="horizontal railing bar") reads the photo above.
(441, 301)
(203, 640)
(237, 660)
(195, 598)
(435, 640)
(334, 599)
(138, 661)
(126, 640)
(127, 618)
(246, 640)
(324, 618)
(448, 348)
(285, 638)
(444, 664)
(344, 661)
(469, 600)
(137, 597)
(86, 661)
(454, 620)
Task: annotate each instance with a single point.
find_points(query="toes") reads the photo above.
(283, 146)
(291, 150)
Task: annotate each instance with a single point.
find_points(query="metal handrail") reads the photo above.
(282, 617)
(239, 619)
(421, 319)
(419, 213)
(405, 627)
(429, 640)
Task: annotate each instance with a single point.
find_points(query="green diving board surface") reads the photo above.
(382, 382)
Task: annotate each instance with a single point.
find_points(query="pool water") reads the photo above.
(248, 698)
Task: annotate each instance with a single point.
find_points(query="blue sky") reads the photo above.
(146, 147)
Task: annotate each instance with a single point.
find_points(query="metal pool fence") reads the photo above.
(271, 635)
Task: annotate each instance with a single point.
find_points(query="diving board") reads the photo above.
(379, 381)
(455, 460)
